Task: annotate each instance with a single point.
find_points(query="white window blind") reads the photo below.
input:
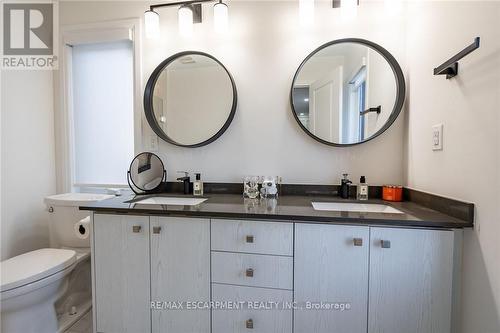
(103, 112)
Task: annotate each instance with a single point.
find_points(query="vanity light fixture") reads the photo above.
(393, 7)
(189, 12)
(220, 17)
(340, 3)
(349, 9)
(152, 24)
(306, 13)
(185, 19)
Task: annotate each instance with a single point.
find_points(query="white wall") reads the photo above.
(27, 162)
(263, 49)
(468, 168)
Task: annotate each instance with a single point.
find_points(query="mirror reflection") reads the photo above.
(192, 99)
(146, 171)
(345, 93)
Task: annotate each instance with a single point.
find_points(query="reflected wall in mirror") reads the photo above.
(146, 173)
(190, 99)
(347, 92)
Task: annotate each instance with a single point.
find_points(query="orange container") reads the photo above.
(392, 193)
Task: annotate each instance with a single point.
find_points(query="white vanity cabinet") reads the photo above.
(395, 279)
(411, 280)
(140, 259)
(121, 273)
(180, 272)
(322, 277)
(331, 268)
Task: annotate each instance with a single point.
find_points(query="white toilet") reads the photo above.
(47, 290)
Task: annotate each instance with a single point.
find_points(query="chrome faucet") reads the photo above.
(186, 180)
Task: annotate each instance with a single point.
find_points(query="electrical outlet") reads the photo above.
(437, 137)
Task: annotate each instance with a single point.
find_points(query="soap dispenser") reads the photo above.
(344, 187)
(362, 189)
(198, 185)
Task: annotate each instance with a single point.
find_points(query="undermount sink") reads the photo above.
(171, 201)
(355, 207)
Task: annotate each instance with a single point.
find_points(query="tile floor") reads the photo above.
(84, 325)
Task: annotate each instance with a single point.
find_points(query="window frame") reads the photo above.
(111, 31)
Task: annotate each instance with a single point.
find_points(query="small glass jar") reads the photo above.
(251, 187)
(269, 187)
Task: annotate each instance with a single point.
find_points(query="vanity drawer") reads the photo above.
(246, 319)
(252, 237)
(255, 270)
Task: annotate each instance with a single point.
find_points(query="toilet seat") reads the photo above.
(29, 268)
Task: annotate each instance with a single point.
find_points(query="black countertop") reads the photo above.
(285, 208)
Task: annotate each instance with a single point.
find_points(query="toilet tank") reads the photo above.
(64, 214)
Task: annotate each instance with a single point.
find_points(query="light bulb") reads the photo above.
(185, 16)
(393, 7)
(220, 17)
(152, 24)
(348, 9)
(306, 13)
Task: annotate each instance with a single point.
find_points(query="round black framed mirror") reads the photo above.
(190, 99)
(347, 92)
(146, 173)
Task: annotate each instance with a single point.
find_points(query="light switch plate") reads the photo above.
(437, 137)
(153, 142)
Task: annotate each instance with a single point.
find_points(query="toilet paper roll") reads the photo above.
(82, 228)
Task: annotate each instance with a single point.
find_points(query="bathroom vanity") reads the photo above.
(326, 270)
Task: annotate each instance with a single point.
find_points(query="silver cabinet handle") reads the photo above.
(156, 230)
(357, 241)
(136, 228)
(249, 272)
(385, 244)
(249, 324)
(249, 239)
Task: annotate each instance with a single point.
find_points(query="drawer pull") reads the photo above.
(249, 272)
(249, 324)
(249, 239)
(357, 241)
(385, 244)
(136, 228)
(156, 230)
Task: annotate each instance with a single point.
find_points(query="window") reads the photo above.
(103, 112)
(98, 128)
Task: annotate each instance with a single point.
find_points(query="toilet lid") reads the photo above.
(33, 266)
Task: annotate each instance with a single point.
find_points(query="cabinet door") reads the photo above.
(121, 269)
(331, 266)
(180, 272)
(411, 273)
